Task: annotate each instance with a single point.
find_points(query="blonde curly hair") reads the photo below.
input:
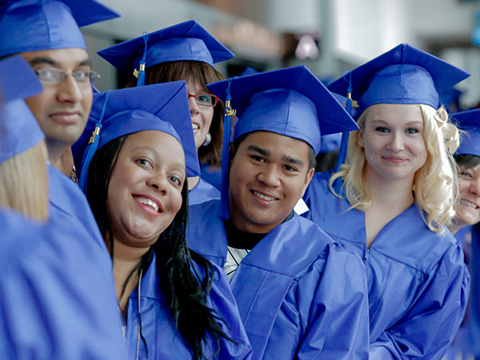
(434, 184)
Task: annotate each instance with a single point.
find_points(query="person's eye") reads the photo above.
(48, 75)
(412, 131)
(464, 174)
(144, 162)
(289, 168)
(204, 99)
(82, 75)
(382, 129)
(176, 180)
(257, 158)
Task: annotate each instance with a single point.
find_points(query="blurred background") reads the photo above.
(329, 36)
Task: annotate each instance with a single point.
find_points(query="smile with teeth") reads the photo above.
(468, 203)
(195, 127)
(148, 202)
(263, 196)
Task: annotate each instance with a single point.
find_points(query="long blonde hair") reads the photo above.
(24, 182)
(434, 184)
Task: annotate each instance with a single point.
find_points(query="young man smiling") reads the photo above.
(300, 294)
(46, 34)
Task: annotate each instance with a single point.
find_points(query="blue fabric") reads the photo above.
(187, 40)
(469, 121)
(467, 340)
(300, 295)
(418, 283)
(33, 25)
(402, 75)
(18, 127)
(58, 296)
(202, 192)
(163, 340)
(212, 175)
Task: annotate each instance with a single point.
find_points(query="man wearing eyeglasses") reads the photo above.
(63, 107)
(47, 35)
(77, 307)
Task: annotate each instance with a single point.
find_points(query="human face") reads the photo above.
(468, 207)
(268, 175)
(202, 116)
(392, 138)
(61, 110)
(145, 190)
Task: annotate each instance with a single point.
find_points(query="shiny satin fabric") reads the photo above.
(203, 192)
(58, 296)
(163, 339)
(300, 295)
(417, 280)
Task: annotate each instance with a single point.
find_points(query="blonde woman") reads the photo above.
(391, 199)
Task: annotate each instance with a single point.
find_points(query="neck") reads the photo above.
(125, 259)
(61, 158)
(454, 227)
(393, 194)
(192, 182)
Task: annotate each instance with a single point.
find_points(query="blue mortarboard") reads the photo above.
(185, 41)
(403, 75)
(19, 130)
(249, 71)
(163, 107)
(290, 102)
(33, 25)
(470, 122)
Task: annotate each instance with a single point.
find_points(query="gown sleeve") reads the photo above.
(338, 316)
(428, 328)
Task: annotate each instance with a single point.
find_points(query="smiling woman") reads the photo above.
(391, 199)
(134, 174)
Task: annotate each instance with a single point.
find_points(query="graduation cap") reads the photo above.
(19, 130)
(185, 41)
(470, 122)
(291, 102)
(34, 25)
(403, 75)
(162, 107)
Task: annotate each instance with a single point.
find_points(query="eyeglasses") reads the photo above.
(54, 76)
(205, 99)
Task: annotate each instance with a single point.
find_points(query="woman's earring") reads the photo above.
(208, 140)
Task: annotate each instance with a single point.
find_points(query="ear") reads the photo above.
(308, 178)
(361, 142)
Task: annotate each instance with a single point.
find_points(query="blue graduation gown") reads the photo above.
(300, 295)
(202, 192)
(417, 280)
(57, 297)
(158, 328)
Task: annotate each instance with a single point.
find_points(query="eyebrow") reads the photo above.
(292, 160)
(178, 163)
(285, 158)
(259, 150)
(50, 61)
